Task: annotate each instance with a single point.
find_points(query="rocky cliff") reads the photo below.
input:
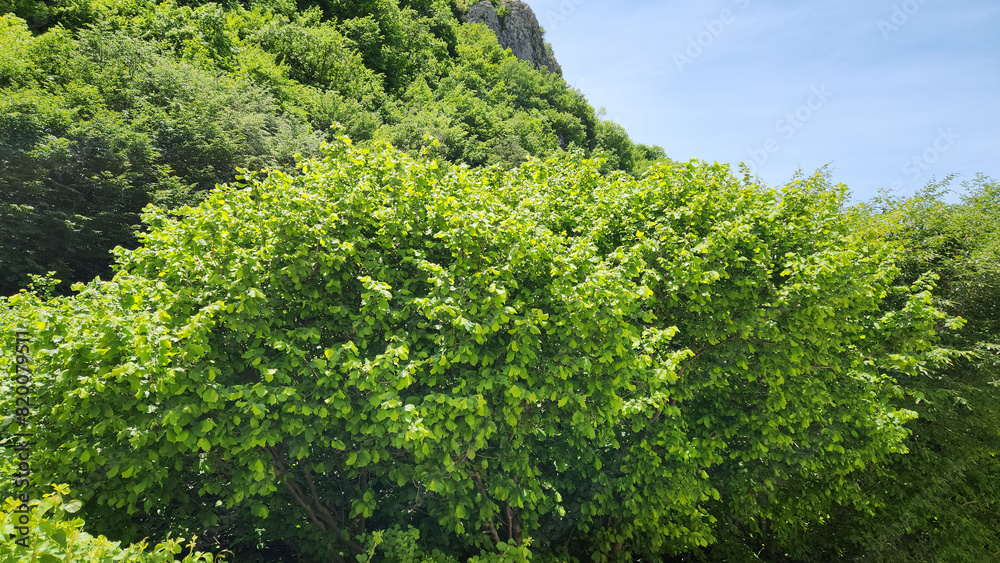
(517, 30)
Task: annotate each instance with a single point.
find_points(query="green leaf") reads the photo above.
(72, 506)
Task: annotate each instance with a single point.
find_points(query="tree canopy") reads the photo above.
(937, 502)
(610, 367)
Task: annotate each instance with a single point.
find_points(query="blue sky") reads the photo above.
(890, 94)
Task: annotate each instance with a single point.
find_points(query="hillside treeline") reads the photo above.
(107, 106)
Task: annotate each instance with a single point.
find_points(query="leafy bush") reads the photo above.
(937, 503)
(52, 535)
(608, 367)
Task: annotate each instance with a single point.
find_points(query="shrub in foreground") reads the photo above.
(52, 534)
(605, 367)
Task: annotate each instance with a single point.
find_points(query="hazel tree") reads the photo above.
(599, 366)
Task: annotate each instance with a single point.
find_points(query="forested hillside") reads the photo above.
(374, 289)
(107, 106)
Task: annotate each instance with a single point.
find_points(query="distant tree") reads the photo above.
(645, 156)
(614, 142)
(97, 126)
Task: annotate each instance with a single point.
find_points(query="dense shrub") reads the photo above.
(608, 367)
(937, 503)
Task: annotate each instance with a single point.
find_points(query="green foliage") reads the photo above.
(937, 503)
(645, 156)
(396, 544)
(68, 188)
(42, 15)
(614, 142)
(603, 366)
(384, 356)
(53, 535)
(490, 109)
(98, 126)
(110, 105)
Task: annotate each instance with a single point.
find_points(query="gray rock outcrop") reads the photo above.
(518, 31)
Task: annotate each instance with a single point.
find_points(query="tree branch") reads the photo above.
(489, 525)
(323, 520)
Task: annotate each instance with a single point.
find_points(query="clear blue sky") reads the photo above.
(889, 93)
